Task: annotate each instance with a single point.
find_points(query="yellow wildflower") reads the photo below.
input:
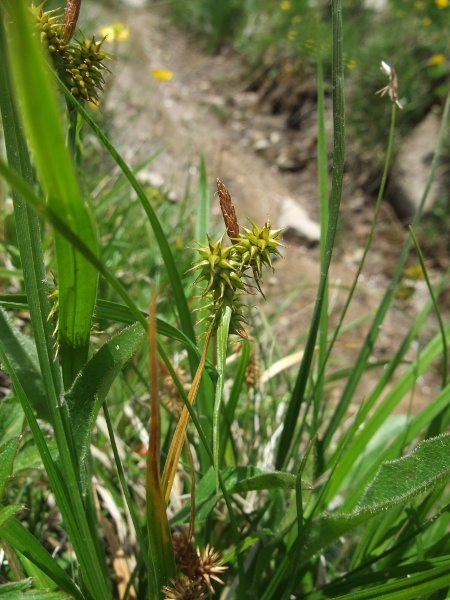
(285, 5)
(418, 5)
(162, 74)
(117, 32)
(442, 3)
(426, 22)
(351, 64)
(296, 19)
(436, 59)
(291, 35)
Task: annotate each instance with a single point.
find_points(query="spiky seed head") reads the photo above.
(84, 68)
(185, 589)
(51, 30)
(210, 567)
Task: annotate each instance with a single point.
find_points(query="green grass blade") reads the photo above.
(23, 356)
(119, 313)
(367, 431)
(159, 535)
(77, 279)
(26, 544)
(67, 496)
(222, 345)
(366, 348)
(169, 261)
(336, 189)
(203, 204)
(29, 236)
(8, 452)
(51, 217)
(235, 394)
(436, 310)
(411, 585)
(322, 169)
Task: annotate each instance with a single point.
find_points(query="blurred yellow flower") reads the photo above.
(436, 59)
(285, 5)
(296, 19)
(291, 35)
(442, 3)
(351, 64)
(162, 74)
(418, 5)
(117, 32)
(426, 21)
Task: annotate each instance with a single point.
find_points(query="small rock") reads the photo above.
(275, 137)
(151, 178)
(412, 167)
(245, 99)
(261, 145)
(297, 222)
(289, 161)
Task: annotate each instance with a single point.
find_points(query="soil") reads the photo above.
(210, 107)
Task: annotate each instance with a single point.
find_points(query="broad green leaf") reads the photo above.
(237, 480)
(396, 483)
(398, 480)
(77, 279)
(93, 382)
(8, 453)
(22, 356)
(28, 459)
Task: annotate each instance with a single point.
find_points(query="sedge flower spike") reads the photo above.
(392, 87)
(80, 64)
(224, 266)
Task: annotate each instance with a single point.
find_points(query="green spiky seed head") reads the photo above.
(50, 28)
(218, 267)
(257, 245)
(84, 68)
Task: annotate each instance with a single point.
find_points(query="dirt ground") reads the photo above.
(206, 109)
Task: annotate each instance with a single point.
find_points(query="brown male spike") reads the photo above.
(228, 212)
(71, 17)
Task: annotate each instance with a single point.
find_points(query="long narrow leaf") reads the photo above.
(77, 278)
(336, 189)
(160, 539)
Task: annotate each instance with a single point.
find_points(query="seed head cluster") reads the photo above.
(226, 266)
(80, 64)
(195, 571)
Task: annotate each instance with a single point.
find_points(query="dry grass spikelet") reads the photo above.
(210, 567)
(184, 589)
(252, 372)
